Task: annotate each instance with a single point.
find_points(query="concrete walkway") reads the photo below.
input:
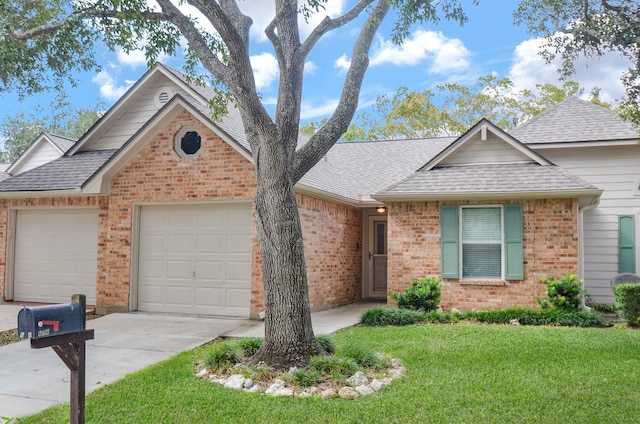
(32, 380)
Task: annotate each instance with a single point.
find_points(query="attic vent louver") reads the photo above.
(162, 96)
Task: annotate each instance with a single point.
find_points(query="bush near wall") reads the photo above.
(628, 303)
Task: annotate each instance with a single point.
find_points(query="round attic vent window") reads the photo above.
(187, 142)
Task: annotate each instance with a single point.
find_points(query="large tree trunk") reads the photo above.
(289, 339)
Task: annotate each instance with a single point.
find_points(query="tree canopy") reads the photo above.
(571, 28)
(20, 130)
(451, 109)
(39, 36)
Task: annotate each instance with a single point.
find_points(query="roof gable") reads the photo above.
(575, 121)
(45, 148)
(485, 143)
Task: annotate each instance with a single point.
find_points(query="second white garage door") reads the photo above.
(195, 259)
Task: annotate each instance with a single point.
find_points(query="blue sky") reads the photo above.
(488, 43)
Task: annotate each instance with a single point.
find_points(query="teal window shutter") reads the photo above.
(449, 241)
(514, 246)
(626, 244)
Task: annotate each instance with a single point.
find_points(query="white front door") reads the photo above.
(377, 257)
(195, 259)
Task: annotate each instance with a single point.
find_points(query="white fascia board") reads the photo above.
(579, 144)
(408, 197)
(325, 195)
(44, 193)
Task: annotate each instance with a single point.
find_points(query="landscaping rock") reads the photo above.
(203, 373)
(328, 393)
(278, 389)
(377, 384)
(395, 373)
(236, 382)
(357, 379)
(248, 383)
(348, 393)
(364, 390)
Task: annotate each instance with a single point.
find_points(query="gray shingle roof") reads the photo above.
(357, 170)
(63, 143)
(574, 120)
(490, 178)
(64, 173)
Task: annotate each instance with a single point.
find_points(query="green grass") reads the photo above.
(462, 373)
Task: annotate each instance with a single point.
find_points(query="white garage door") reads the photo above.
(55, 255)
(195, 259)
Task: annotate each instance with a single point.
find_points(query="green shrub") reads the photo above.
(389, 316)
(563, 294)
(306, 378)
(384, 315)
(422, 295)
(628, 303)
(220, 356)
(334, 366)
(365, 358)
(327, 343)
(248, 346)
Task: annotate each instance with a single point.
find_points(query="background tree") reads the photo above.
(571, 28)
(43, 29)
(20, 130)
(410, 114)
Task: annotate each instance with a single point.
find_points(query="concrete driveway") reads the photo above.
(35, 379)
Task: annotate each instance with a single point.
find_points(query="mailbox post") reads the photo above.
(63, 328)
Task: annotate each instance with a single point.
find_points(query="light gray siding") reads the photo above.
(131, 117)
(616, 170)
(43, 153)
(489, 151)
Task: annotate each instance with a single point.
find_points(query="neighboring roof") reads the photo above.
(489, 181)
(63, 143)
(573, 121)
(71, 173)
(356, 170)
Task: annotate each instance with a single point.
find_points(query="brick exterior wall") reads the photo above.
(157, 174)
(332, 235)
(550, 249)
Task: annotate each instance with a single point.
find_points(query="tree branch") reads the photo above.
(323, 140)
(329, 24)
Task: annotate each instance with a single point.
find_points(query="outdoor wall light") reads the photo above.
(381, 209)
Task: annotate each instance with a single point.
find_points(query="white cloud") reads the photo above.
(132, 59)
(108, 87)
(529, 69)
(265, 69)
(446, 55)
(308, 111)
(310, 68)
(342, 63)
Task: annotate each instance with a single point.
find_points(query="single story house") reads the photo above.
(151, 210)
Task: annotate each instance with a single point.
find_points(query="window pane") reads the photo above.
(481, 261)
(481, 224)
(380, 247)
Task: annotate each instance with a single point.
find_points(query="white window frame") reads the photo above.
(462, 243)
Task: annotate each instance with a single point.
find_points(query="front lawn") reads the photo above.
(462, 373)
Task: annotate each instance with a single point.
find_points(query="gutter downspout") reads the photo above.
(595, 201)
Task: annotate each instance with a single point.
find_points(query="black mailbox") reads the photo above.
(46, 321)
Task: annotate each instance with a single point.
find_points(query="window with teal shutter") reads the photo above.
(449, 241)
(474, 239)
(626, 244)
(514, 245)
